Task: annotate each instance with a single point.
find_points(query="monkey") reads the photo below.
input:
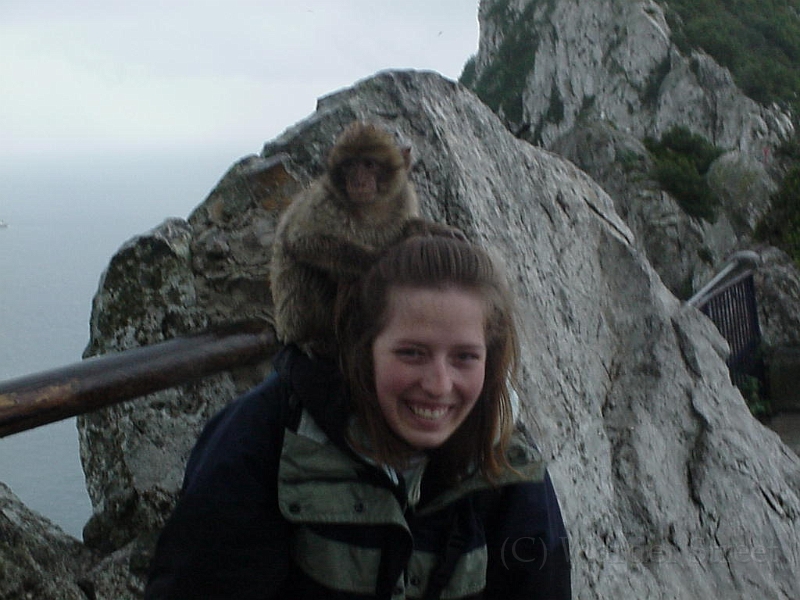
(332, 231)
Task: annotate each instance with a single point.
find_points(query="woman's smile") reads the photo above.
(430, 362)
(429, 414)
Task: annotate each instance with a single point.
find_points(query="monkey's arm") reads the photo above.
(338, 257)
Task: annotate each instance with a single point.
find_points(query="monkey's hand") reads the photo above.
(424, 227)
(341, 259)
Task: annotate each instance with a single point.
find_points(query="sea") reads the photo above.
(62, 220)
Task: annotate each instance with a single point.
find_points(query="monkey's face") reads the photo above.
(361, 179)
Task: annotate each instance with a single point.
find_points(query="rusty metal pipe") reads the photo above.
(50, 396)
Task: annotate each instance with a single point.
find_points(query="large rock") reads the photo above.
(147, 294)
(609, 60)
(683, 250)
(779, 300)
(669, 487)
(38, 561)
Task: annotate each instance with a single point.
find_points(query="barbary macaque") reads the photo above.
(333, 231)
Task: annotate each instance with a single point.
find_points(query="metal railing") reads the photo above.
(28, 402)
(42, 398)
(729, 300)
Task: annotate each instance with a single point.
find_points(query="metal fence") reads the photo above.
(729, 300)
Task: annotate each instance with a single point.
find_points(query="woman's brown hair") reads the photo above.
(438, 262)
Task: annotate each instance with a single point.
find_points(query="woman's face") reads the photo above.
(430, 362)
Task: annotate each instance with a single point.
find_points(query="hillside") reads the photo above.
(757, 40)
(681, 111)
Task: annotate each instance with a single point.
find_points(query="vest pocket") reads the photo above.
(335, 564)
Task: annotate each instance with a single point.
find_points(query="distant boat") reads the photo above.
(3, 224)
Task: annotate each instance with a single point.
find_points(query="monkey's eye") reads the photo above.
(370, 163)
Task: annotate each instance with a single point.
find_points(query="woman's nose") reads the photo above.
(437, 380)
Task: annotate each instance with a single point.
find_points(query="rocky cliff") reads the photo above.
(549, 66)
(592, 80)
(670, 489)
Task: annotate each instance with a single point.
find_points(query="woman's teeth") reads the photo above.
(428, 413)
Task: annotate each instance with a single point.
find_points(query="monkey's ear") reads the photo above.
(406, 152)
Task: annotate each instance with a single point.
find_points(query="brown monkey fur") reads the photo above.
(333, 231)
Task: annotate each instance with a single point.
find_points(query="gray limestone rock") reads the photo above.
(613, 60)
(147, 294)
(591, 80)
(683, 250)
(778, 281)
(669, 487)
(38, 561)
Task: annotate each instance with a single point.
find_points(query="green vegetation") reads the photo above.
(681, 161)
(629, 160)
(750, 388)
(758, 40)
(555, 112)
(657, 77)
(781, 225)
(501, 85)
(705, 255)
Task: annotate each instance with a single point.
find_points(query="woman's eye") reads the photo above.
(408, 352)
(468, 357)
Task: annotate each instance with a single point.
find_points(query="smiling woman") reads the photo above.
(430, 362)
(445, 310)
(403, 476)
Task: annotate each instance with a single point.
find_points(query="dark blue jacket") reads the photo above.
(276, 505)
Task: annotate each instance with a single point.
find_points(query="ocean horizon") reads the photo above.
(64, 220)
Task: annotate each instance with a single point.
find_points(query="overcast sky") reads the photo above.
(86, 76)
